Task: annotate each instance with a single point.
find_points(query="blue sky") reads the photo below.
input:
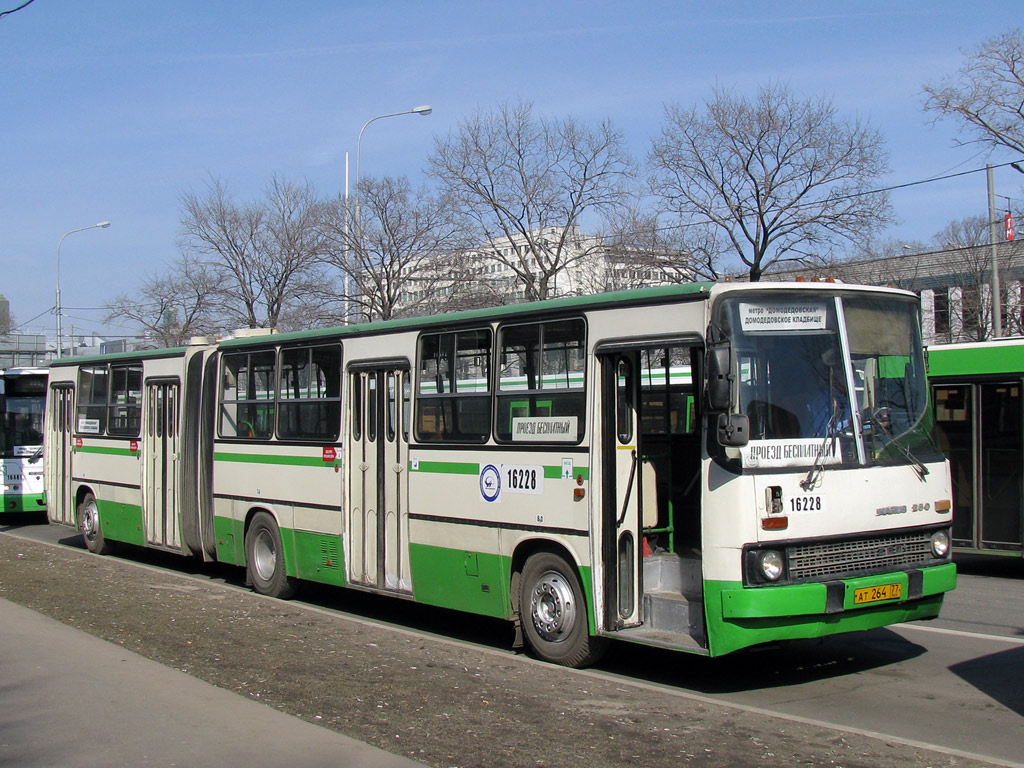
(111, 110)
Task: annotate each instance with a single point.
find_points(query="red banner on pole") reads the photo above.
(1009, 226)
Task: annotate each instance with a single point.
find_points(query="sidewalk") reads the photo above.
(70, 699)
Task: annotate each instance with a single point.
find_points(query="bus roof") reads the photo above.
(635, 297)
(24, 371)
(996, 356)
(148, 354)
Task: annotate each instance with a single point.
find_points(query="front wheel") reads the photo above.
(89, 525)
(264, 559)
(554, 614)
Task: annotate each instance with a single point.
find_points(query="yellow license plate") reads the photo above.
(881, 592)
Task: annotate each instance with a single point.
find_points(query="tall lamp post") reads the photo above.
(60, 338)
(424, 109)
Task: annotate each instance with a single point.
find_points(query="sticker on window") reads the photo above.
(794, 316)
(544, 429)
(89, 426)
(790, 453)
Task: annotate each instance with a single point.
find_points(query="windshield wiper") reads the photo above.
(831, 433)
(874, 418)
(36, 456)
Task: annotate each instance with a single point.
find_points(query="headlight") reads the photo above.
(771, 564)
(940, 543)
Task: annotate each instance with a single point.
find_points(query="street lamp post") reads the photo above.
(424, 109)
(60, 339)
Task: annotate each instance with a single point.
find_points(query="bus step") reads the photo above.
(672, 573)
(674, 612)
(661, 639)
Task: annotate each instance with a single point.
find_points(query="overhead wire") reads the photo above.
(15, 10)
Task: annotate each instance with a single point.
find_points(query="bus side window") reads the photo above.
(453, 400)
(310, 393)
(93, 383)
(125, 400)
(541, 377)
(248, 395)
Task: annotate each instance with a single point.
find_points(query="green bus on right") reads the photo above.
(976, 394)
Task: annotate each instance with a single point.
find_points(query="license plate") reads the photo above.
(881, 592)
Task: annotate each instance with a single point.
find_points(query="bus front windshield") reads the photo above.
(829, 379)
(21, 430)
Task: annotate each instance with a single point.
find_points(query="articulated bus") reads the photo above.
(976, 391)
(22, 401)
(703, 468)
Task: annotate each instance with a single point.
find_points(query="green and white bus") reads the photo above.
(976, 391)
(22, 398)
(645, 465)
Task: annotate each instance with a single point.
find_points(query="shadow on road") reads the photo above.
(989, 675)
(792, 663)
(1003, 566)
(14, 520)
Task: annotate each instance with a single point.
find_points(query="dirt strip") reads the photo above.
(441, 703)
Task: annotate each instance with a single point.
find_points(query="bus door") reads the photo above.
(979, 427)
(160, 452)
(378, 480)
(60, 502)
(621, 468)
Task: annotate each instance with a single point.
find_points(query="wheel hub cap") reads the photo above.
(553, 607)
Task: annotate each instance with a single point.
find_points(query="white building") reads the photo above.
(575, 264)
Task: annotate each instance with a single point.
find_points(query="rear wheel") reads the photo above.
(89, 525)
(554, 614)
(264, 559)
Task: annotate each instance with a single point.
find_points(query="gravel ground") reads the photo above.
(438, 702)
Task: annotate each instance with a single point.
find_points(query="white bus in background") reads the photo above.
(705, 467)
(22, 402)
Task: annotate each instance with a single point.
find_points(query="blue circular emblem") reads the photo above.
(490, 483)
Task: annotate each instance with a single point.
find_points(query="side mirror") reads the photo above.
(718, 367)
(733, 430)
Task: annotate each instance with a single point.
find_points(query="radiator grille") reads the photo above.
(880, 553)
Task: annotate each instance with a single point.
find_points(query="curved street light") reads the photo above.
(60, 340)
(423, 109)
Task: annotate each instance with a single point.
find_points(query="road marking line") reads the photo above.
(962, 633)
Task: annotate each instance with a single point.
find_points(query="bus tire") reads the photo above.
(91, 528)
(264, 559)
(553, 613)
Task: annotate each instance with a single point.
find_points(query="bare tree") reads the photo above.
(7, 323)
(173, 308)
(527, 182)
(986, 95)
(402, 254)
(963, 233)
(968, 255)
(770, 180)
(640, 251)
(266, 255)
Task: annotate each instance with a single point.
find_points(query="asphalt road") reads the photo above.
(952, 685)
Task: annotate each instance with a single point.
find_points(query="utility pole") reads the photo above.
(997, 304)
